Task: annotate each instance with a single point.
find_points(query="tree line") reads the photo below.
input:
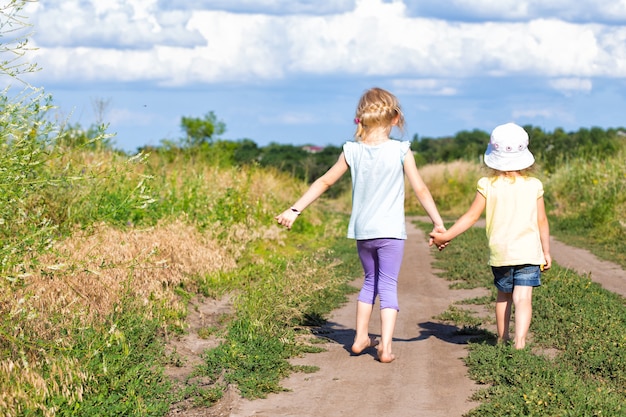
(551, 148)
(202, 139)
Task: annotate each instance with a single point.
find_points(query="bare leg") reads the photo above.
(388, 323)
(503, 315)
(362, 340)
(522, 298)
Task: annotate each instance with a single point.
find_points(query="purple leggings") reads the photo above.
(381, 260)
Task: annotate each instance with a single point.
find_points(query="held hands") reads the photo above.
(287, 217)
(437, 238)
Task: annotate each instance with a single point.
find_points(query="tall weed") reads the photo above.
(88, 186)
(47, 189)
(587, 203)
(24, 141)
(287, 294)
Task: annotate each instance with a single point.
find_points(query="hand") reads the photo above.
(287, 218)
(548, 262)
(437, 239)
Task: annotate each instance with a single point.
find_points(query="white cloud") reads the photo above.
(122, 116)
(274, 7)
(546, 113)
(435, 87)
(569, 86)
(126, 41)
(121, 24)
(289, 118)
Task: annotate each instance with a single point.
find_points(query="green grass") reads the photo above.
(575, 363)
(587, 203)
(272, 307)
(123, 382)
(473, 272)
(58, 356)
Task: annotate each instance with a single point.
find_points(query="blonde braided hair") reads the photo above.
(376, 109)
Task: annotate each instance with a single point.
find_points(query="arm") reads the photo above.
(464, 222)
(544, 232)
(323, 183)
(422, 192)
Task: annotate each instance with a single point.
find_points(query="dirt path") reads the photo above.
(608, 274)
(428, 378)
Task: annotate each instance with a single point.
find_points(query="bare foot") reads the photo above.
(385, 357)
(503, 341)
(357, 348)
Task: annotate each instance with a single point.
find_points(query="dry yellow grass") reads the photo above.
(84, 277)
(24, 388)
(453, 186)
(89, 272)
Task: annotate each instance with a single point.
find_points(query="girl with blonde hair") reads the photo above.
(378, 165)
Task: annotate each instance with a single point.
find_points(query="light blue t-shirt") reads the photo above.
(377, 189)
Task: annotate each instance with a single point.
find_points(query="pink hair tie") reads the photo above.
(357, 120)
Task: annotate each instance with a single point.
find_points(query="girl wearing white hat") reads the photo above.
(516, 225)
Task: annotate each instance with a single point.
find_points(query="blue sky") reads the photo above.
(291, 71)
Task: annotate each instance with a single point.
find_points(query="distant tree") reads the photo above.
(421, 147)
(288, 158)
(201, 130)
(322, 161)
(596, 142)
(552, 149)
(247, 152)
(433, 150)
(470, 145)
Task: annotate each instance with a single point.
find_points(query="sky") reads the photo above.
(292, 71)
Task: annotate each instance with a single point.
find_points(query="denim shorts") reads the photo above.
(505, 278)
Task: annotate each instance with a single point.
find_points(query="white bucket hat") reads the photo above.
(508, 149)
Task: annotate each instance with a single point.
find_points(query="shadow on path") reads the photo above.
(445, 332)
(448, 333)
(334, 332)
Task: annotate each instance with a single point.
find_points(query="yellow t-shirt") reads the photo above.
(511, 220)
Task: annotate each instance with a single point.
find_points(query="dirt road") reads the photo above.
(428, 378)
